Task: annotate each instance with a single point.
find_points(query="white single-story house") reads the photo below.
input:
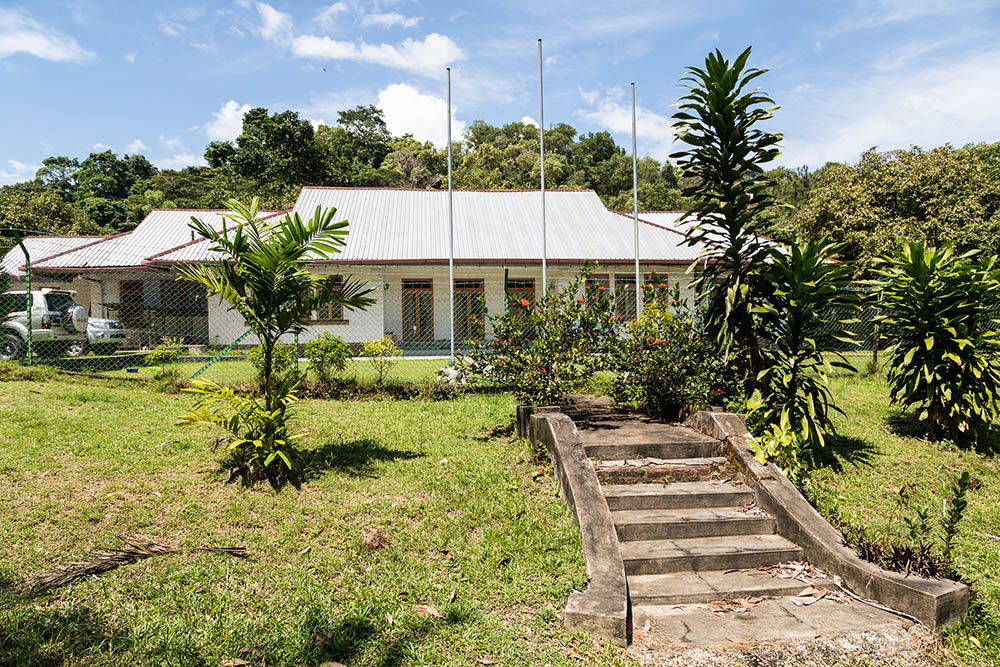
(398, 244)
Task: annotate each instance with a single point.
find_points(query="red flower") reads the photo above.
(579, 299)
(525, 303)
(600, 287)
(657, 341)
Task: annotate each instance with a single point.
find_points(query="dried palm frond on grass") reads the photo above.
(135, 549)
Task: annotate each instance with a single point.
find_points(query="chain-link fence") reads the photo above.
(115, 306)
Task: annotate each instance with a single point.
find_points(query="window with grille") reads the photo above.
(331, 312)
(625, 296)
(470, 320)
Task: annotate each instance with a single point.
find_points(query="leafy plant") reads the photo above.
(781, 444)
(936, 312)
(262, 272)
(328, 356)
(162, 356)
(953, 512)
(665, 364)
(806, 285)
(730, 194)
(383, 354)
(258, 435)
(282, 359)
(544, 349)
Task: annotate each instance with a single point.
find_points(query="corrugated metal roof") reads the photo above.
(397, 225)
(39, 247)
(161, 230)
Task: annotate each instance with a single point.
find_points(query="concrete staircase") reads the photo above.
(688, 528)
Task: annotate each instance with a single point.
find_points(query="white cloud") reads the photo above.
(589, 96)
(326, 18)
(887, 12)
(130, 58)
(654, 132)
(389, 20)
(18, 171)
(179, 161)
(954, 102)
(173, 144)
(136, 147)
(100, 147)
(274, 26)
(407, 110)
(435, 52)
(227, 122)
(528, 120)
(19, 33)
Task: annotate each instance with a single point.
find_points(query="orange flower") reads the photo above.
(525, 303)
(579, 299)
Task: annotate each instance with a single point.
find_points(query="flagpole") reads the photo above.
(541, 151)
(451, 234)
(635, 211)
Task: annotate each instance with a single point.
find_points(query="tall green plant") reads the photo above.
(729, 191)
(937, 311)
(808, 286)
(262, 272)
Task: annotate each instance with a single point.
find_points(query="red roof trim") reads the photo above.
(625, 261)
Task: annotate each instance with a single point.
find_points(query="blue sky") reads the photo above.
(163, 79)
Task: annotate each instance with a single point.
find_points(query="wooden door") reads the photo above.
(418, 311)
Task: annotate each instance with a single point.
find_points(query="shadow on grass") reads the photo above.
(359, 634)
(906, 424)
(844, 449)
(356, 458)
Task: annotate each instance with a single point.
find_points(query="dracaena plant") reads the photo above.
(730, 193)
(261, 269)
(937, 310)
(808, 287)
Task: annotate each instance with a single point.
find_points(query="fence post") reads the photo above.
(296, 344)
(29, 302)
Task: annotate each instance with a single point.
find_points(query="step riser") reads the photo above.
(677, 501)
(687, 529)
(663, 474)
(683, 597)
(665, 450)
(710, 561)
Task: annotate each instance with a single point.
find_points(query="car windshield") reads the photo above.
(10, 303)
(59, 303)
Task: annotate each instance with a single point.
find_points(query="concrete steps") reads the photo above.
(711, 585)
(706, 553)
(661, 524)
(671, 449)
(663, 471)
(679, 495)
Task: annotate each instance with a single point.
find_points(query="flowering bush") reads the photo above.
(548, 348)
(665, 363)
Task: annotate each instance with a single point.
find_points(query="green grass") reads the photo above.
(239, 371)
(873, 455)
(473, 530)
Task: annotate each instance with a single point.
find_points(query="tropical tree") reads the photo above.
(938, 308)
(729, 193)
(793, 403)
(262, 273)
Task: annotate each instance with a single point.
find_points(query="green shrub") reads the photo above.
(328, 356)
(544, 349)
(163, 354)
(257, 436)
(936, 314)
(383, 354)
(807, 287)
(282, 359)
(665, 364)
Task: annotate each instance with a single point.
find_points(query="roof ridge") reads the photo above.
(395, 189)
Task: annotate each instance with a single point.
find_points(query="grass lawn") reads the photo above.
(873, 455)
(240, 371)
(473, 529)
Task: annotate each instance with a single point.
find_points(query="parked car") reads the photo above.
(57, 323)
(104, 336)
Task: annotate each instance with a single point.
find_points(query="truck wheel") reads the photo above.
(11, 347)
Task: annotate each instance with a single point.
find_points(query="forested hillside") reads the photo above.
(942, 194)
